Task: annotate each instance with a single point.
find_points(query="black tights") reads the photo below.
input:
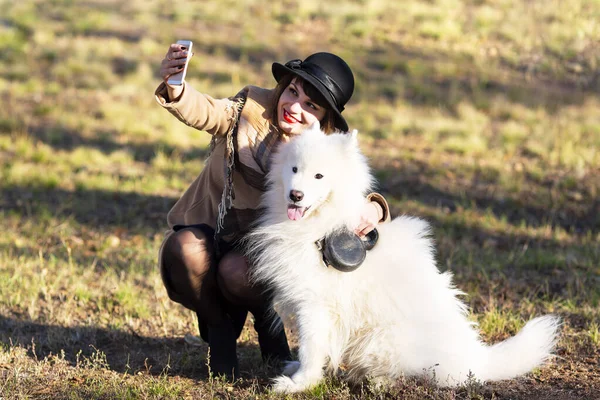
(194, 279)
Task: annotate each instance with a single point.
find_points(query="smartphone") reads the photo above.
(177, 79)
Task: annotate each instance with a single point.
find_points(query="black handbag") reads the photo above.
(344, 250)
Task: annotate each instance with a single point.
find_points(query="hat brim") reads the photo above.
(280, 70)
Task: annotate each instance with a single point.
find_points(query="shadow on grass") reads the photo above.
(576, 217)
(102, 208)
(558, 267)
(471, 84)
(63, 138)
(396, 71)
(257, 56)
(92, 207)
(125, 352)
(386, 60)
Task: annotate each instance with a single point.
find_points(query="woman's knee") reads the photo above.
(233, 272)
(234, 281)
(186, 271)
(188, 250)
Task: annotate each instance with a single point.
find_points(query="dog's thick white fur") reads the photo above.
(396, 314)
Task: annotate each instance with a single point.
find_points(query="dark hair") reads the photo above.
(328, 121)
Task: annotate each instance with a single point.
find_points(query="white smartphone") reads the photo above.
(177, 79)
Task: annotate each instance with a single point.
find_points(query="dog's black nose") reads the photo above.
(296, 195)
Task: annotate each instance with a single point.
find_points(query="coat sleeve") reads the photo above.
(379, 199)
(199, 110)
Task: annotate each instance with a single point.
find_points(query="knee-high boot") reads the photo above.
(222, 338)
(272, 339)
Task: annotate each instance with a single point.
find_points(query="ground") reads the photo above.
(480, 116)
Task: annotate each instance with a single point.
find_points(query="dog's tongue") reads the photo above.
(295, 213)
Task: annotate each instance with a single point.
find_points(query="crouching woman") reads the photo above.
(200, 262)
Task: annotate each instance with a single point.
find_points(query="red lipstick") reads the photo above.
(288, 118)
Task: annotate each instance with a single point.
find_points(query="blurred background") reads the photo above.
(481, 116)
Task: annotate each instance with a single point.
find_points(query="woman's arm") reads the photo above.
(382, 205)
(375, 211)
(199, 110)
(191, 107)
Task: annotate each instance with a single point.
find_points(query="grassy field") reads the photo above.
(478, 115)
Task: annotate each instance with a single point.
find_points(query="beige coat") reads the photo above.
(200, 202)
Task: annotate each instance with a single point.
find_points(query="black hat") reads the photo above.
(329, 74)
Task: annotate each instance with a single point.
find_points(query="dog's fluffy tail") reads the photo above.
(520, 354)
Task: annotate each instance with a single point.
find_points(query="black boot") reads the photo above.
(272, 340)
(222, 349)
(222, 340)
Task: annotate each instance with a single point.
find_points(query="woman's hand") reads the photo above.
(173, 63)
(369, 218)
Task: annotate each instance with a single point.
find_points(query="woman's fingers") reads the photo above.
(176, 51)
(369, 218)
(168, 68)
(364, 228)
(176, 55)
(167, 72)
(174, 61)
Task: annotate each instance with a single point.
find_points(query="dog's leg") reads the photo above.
(315, 333)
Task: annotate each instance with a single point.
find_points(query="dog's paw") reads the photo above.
(290, 368)
(297, 383)
(285, 384)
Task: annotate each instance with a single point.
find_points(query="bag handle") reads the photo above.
(371, 239)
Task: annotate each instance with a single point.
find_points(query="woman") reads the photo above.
(200, 265)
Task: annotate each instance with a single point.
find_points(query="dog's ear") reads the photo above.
(314, 130)
(353, 137)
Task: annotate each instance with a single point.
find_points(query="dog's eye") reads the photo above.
(318, 176)
(295, 169)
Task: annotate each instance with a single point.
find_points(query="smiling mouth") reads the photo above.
(296, 213)
(288, 117)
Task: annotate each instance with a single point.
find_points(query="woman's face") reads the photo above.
(296, 111)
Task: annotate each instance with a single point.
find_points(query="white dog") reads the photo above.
(396, 314)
